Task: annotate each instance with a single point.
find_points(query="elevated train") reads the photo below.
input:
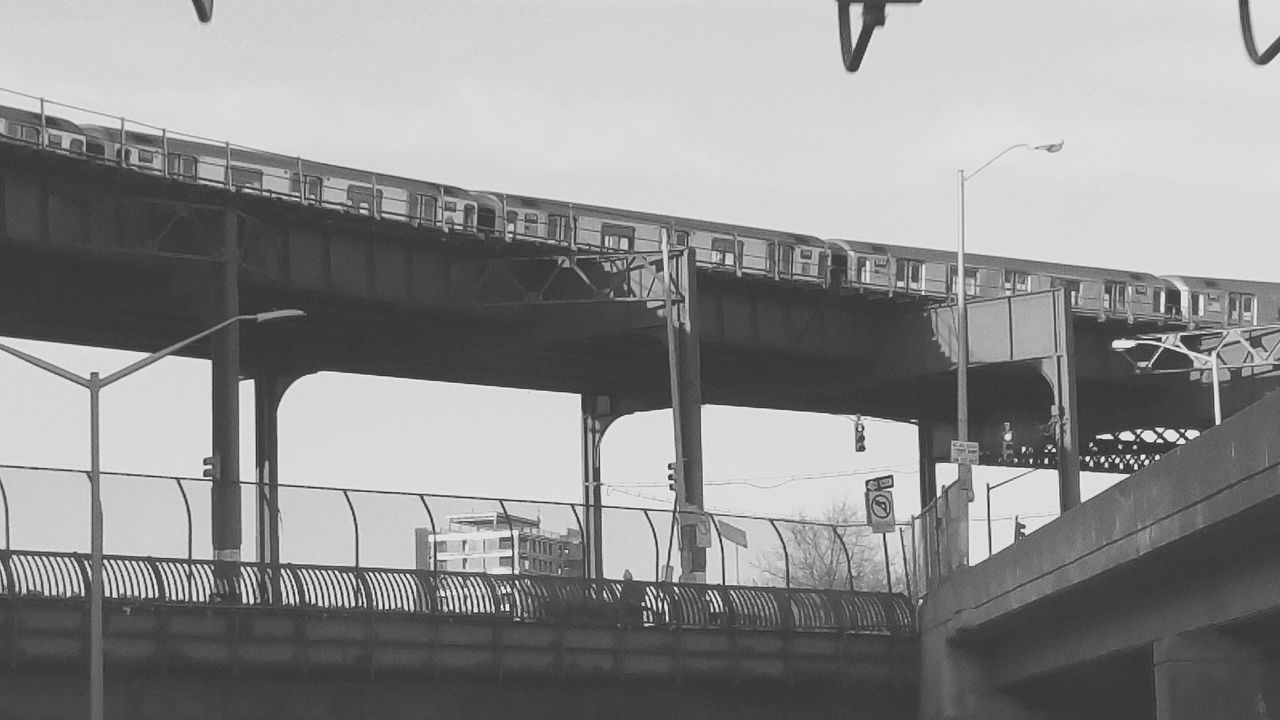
(841, 265)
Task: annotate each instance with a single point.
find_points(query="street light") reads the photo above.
(962, 310)
(95, 383)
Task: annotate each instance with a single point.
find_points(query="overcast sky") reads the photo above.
(733, 111)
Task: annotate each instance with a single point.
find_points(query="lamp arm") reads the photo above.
(46, 366)
(161, 354)
(999, 155)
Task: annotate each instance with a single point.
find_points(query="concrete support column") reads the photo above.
(597, 415)
(1206, 674)
(955, 682)
(225, 356)
(268, 390)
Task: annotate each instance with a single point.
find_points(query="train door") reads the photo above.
(469, 216)
(487, 218)
(909, 275)
(786, 260)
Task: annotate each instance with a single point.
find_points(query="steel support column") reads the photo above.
(225, 356)
(268, 390)
(928, 465)
(597, 415)
(688, 412)
(1061, 373)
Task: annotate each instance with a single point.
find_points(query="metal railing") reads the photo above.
(32, 575)
(46, 509)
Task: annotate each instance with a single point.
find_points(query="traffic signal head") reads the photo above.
(1006, 442)
(1019, 528)
(859, 436)
(673, 476)
(212, 467)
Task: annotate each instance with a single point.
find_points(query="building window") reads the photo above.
(441, 546)
(504, 561)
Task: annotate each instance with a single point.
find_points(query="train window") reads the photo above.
(314, 183)
(146, 157)
(30, 133)
(450, 206)
(862, 269)
(77, 145)
(1015, 282)
(1214, 301)
(617, 237)
(362, 199)
(246, 177)
(558, 227)
(909, 275)
(513, 217)
(1157, 299)
(1239, 308)
(531, 223)
(1114, 296)
(723, 251)
(682, 238)
(1197, 304)
(55, 140)
(970, 280)
(1071, 288)
(183, 166)
(425, 207)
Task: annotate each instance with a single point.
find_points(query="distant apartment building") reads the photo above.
(500, 544)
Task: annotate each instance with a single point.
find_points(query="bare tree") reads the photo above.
(816, 550)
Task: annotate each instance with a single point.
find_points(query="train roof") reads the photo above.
(50, 121)
(680, 223)
(994, 261)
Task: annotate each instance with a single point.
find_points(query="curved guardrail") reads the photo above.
(35, 574)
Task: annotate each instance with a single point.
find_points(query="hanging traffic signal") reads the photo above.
(204, 10)
(673, 476)
(859, 435)
(1006, 443)
(212, 467)
(1019, 529)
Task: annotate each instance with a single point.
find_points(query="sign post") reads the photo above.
(879, 499)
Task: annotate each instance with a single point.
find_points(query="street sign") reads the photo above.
(733, 534)
(883, 482)
(964, 452)
(880, 511)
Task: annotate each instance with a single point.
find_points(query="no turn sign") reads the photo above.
(880, 511)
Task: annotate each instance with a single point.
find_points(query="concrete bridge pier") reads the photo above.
(1206, 674)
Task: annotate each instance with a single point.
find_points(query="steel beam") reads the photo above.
(268, 391)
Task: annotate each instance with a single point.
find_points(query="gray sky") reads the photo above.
(734, 111)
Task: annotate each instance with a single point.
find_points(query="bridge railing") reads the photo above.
(47, 509)
(29, 575)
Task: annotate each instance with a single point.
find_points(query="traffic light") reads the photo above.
(1019, 529)
(673, 476)
(212, 467)
(1006, 443)
(859, 435)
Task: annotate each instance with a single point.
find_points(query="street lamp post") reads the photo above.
(991, 487)
(962, 308)
(94, 384)
(1122, 344)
